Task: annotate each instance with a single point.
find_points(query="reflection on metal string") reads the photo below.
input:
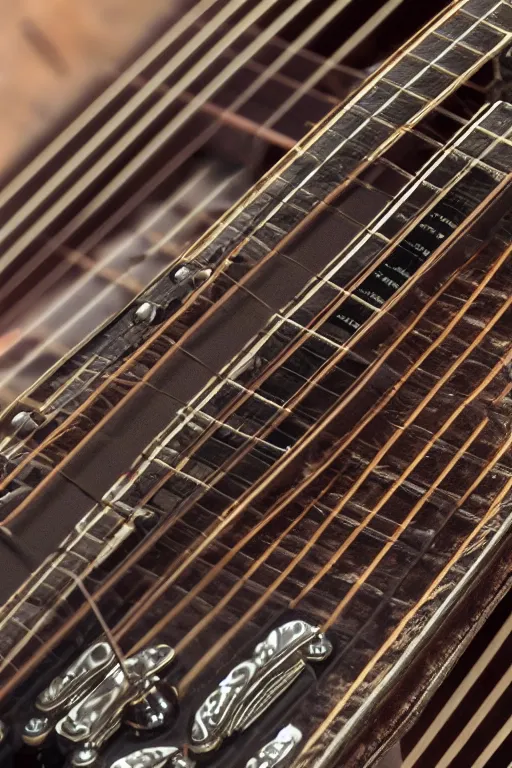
(254, 685)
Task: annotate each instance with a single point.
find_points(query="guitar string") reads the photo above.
(180, 26)
(361, 278)
(341, 703)
(145, 546)
(462, 690)
(175, 123)
(210, 131)
(346, 497)
(427, 65)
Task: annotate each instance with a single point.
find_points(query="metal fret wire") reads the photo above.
(363, 476)
(427, 66)
(276, 363)
(381, 219)
(148, 545)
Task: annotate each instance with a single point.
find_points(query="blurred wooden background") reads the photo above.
(54, 51)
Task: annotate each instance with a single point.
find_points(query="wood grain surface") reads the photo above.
(53, 51)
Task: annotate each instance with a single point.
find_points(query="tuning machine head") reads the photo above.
(254, 685)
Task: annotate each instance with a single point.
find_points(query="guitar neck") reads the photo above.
(311, 427)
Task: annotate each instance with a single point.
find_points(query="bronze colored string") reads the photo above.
(403, 623)
(301, 225)
(299, 487)
(152, 538)
(457, 81)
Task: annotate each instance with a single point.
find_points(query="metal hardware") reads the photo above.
(154, 757)
(3, 731)
(64, 691)
(99, 714)
(145, 312)
(202, 275)
(23, 423)
(276, 751)
(254, 685)
(181, 274)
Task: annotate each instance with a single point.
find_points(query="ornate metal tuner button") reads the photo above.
(64, 691)
(154, 757)
(254, 685)
(99, 714)
(276, 751)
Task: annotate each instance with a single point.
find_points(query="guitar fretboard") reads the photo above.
(338, 459)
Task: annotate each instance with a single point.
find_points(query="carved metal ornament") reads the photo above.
(278, 750)
(97, 716)
(154, 757)
(254, 685)
(81, 677)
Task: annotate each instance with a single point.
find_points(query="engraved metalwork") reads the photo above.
(64, 691)
(79, 677)
(97, 716)
(154, 757)
(253, 685)
(278, 750)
